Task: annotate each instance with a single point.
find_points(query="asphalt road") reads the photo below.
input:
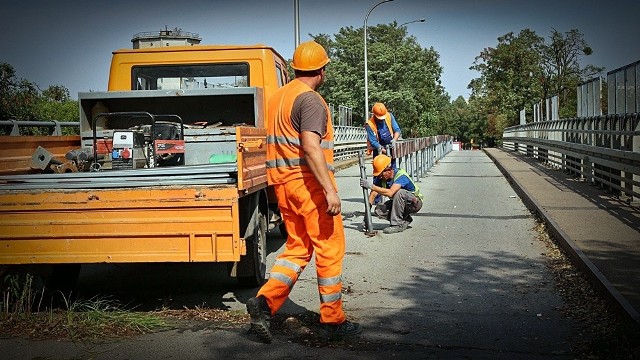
(466, 280)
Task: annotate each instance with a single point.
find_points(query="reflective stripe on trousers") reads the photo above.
(303, 208)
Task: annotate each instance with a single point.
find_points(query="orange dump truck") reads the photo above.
(170, 168)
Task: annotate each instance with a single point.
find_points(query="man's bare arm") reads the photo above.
(317, 163)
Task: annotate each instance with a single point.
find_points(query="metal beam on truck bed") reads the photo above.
(182, 175)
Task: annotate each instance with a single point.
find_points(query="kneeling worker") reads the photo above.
(404, 194)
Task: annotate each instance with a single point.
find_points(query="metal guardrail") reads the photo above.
(55, 126)
(603, 150)
(348, 141)
(416, 156)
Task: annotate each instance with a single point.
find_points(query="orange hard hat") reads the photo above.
(379, 110)
(380, 163)
(309, 56)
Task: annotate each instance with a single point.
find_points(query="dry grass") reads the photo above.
(605, 334)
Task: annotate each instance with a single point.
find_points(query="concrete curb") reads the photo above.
(595, 276)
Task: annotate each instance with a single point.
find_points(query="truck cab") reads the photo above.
(198, 67)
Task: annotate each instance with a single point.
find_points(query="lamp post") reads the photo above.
(366, 75)
(296, 23)
(409, 22)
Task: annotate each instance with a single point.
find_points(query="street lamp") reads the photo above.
(409, 22)
(366, 75)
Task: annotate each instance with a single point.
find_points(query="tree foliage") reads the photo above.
(519, 71)
(17, 96)
(525, 69)
(562, 70)
(55, 103)
(21, 99)
(508, 74)
(401, 74)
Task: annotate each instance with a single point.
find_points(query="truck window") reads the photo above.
(208, 76)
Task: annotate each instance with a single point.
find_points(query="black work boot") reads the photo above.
(260, 316)
(346, 329)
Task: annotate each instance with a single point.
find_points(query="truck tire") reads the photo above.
(254, 263)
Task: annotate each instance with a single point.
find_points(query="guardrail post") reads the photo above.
(431, 155)
(423, 159)
(57, 130)
(414, 173)
(635, 148)
(15, 130)
(587, 170)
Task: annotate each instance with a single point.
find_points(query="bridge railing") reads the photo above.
(348, 141)
(603, 150)
(54, 127)
(415, 155)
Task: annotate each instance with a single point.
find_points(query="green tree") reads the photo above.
(21, 99)
(56, 93)
(455, 120)
(17, 96)
(402, 75)
(562, 70)
(523, 70)
(510, 75)
(56, 104)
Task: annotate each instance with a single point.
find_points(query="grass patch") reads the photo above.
(37, 315)
(96, 318)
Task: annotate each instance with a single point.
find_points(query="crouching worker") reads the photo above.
(404, 194)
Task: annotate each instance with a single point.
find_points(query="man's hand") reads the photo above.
(333, 204)
(365, 183)
(393, 143)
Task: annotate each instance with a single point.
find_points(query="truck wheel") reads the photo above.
(256, 259)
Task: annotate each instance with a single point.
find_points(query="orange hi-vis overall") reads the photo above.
(374, 126)
(303, 207)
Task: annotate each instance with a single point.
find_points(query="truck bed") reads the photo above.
(171, 214)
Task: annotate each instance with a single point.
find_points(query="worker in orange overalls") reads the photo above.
(300, 169)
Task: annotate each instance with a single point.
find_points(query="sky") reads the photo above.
(70, 42)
